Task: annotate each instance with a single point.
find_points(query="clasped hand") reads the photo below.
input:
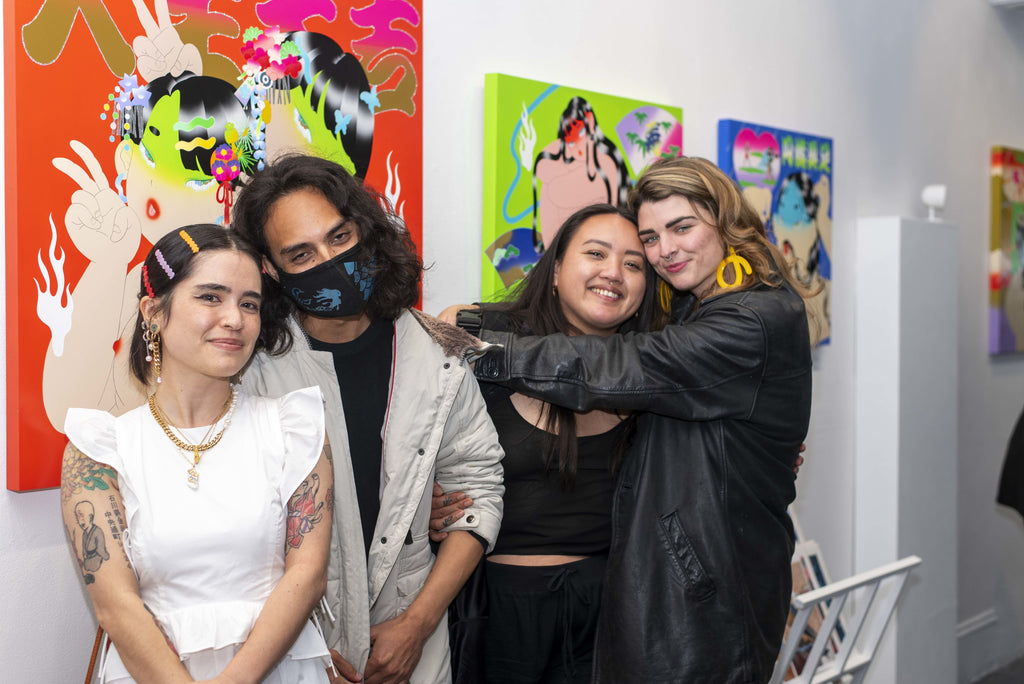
(396, 647)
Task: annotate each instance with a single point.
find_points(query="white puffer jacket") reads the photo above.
(436, 428)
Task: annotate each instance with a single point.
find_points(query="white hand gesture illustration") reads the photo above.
(160, 51)
(102, 227)
(527, 140)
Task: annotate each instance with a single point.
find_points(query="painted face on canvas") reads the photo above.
(796, 232)
(792, 209)
(683, 249)
(577, 136)
(296, 126)
(601, 277)
(163, 193)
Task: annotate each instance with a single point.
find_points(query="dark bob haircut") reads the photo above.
(397, 267)
(180, 258)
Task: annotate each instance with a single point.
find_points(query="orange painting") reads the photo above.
(128, 119)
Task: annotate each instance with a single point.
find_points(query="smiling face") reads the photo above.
(600, 277)
(304, 229)
(210, 326)
(684, 250)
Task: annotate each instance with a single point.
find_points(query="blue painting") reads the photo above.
(787, 177)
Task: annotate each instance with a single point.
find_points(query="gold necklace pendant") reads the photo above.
(183, 445)
(193, 473)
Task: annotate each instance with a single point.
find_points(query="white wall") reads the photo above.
(913, 92)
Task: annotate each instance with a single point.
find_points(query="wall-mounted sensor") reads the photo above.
(934, 197)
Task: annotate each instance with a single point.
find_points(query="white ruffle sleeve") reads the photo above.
(302, 429)
(94, 433)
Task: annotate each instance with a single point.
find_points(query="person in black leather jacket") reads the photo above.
(698, 582)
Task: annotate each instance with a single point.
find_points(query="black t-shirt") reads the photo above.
(363, 367)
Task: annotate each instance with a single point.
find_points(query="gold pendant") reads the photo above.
(193, 478)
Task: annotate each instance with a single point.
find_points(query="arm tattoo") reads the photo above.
(117, 526)
(330, 490)
(304, 512)
(93, 548)
(170, 643)
(79, 472)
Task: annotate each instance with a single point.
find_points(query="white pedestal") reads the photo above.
(906, 436)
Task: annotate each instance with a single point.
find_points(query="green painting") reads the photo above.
(550, 150)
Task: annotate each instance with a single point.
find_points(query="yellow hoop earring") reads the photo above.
(665, 296)
(738, 264)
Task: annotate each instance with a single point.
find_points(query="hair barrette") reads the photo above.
(145, 281)
(189, 241)
(164, 265)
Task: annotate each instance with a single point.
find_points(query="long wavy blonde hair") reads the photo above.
(719, 203)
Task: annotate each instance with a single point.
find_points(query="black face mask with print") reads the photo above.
(336, 288)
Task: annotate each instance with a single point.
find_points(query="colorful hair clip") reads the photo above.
(189, 241)
(164, 265)
(145, 281)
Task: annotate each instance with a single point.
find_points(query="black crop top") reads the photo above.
(540, 517)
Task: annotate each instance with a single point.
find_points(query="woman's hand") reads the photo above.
(95, 522)
(449, 314)
(305, 577)
(799, 458)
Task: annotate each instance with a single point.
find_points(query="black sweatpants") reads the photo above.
(542, 622)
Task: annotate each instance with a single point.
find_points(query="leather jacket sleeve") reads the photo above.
(705, 369)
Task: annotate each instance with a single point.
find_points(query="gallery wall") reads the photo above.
(912, 93)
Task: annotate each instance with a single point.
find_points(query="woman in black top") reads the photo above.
(697, 587)
(545, 573)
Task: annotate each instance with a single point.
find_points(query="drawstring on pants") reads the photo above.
(565, 582)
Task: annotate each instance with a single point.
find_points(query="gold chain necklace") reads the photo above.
(186, 446)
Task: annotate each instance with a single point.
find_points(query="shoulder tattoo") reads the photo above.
(78, 472)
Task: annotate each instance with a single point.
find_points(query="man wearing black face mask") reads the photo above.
(401, 411)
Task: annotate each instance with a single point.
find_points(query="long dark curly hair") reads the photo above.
(397, 268)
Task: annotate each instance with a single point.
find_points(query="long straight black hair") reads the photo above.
(532, 309)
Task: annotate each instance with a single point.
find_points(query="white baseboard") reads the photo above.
(972, 624)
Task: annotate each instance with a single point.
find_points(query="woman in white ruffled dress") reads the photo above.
(201, 520)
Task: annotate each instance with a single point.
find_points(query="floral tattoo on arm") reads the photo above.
(304, 512)
(79, 472)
